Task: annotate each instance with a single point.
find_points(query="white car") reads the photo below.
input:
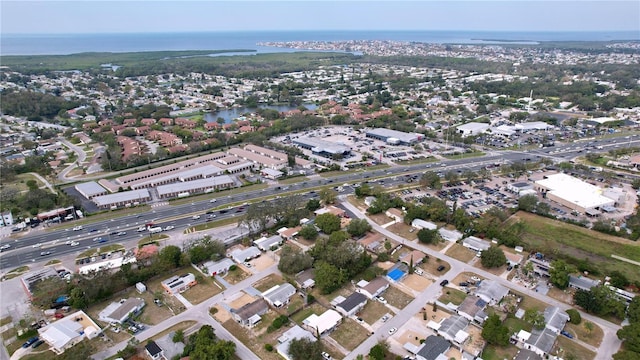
(195, 217)
(212, 200)
(77, 228)
(381, 299)
(392, 331)
(170, 227)
(74, 243)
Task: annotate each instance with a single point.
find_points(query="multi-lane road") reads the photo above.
(46, 244)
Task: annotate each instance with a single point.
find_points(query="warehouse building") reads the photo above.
(125, 198)
(573, 193)
(195, 187)
(472, 128)
(195, 173)
(394, 137)
(91, 189)
(258, 159)
(322, 147)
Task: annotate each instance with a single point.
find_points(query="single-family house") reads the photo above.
(242, 255)
(432, 348)
(352, 304)
(450, 235)
(372, 288)
(491, 291)
(121, 311)
(555, 319)
(331, 210)
(178, 284)
(153, 350)
(472, 308)
(68, 331)
(416, 257)
(541, 341)
(267, 243)
(324, 323)
(295, 333)
(396, 214)
(373, 241)
(452, 329)
(524, 354)
(476, 244)
(423, 224)
(288, 234)
(582, 282)
(220, 267)
(513, 259)
(250, 314)
(306, 279)
(279, 295)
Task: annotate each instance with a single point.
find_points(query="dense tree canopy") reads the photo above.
(327, 223)
(293, 260)
(495, 332)
(305, 349)
(493, 257)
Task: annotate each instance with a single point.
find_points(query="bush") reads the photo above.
(310, 299)
(574, 316)
(383, 257)
(268, 347)
(213, 310)
(233, 267)
(278, 322)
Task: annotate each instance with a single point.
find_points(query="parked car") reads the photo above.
(441, 267)
(30, 342)
(326, 356)
(392, 331)
(567, 334)
(37, 343)
(381, 299)
(444, 282)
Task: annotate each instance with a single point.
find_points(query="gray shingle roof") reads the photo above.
(432, 347)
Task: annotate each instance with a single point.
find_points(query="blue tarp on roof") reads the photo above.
(395, 275)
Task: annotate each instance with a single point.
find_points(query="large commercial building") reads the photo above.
(472, 128)
(573, 193)
(322, 147)
(91, 189)
(125, 198)
(394, 137)
(195, 186)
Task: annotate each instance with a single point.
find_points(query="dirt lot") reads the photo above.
(571, 349)
(349, 334)
(235, 276)
(221, 315)
(373, 311)
(431, 267)
(241, 301)
(268, 282)
(404, 230)
(262, 262)
(396, 297)
(380, 219)
(591, 336)
(205, 289)
(461, 253)
(416, 282)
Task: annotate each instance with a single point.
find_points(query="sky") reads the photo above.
(117, 16)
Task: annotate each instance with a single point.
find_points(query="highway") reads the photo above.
(28, 248)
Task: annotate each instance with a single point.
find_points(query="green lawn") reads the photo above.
(453, 296)
(465, 155)
(555, 237)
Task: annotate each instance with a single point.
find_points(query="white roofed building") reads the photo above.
(125, 198)
(472, 128)
(573, 193)
(68, 331)
(322, 324)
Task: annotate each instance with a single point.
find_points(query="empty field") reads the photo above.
(551, 236)
(349, 334)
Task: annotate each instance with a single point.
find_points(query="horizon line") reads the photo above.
(315, 30)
